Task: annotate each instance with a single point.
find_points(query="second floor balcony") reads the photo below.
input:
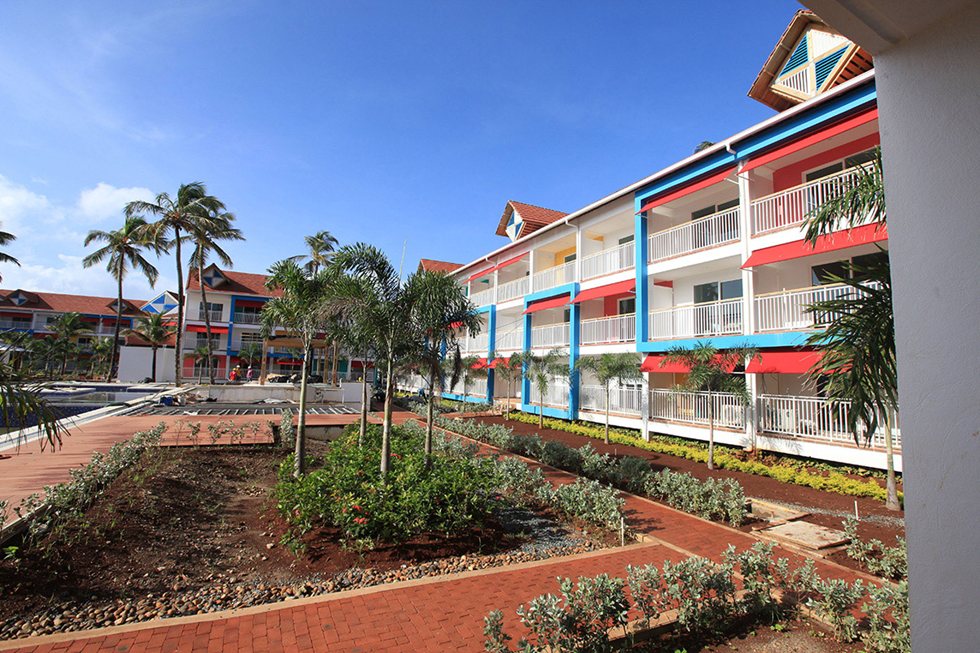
(718, 318)
(551, 335)
(609, 261)
(614, 329)
(214, 315)
(482, 298)
(551, 277)
(792, 206)
(510, 340)
(247, 317)
(717, 229)
(513, 289)
(788, 310)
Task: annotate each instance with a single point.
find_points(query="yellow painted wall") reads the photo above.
(561, 254)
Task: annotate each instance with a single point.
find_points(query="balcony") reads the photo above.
(609, 261)
(786, 310)
(556, 276)
(214, 315)
(477, 343)
(201, 372)
(622, 401)
(609, 330)
(510, 341)
(512, 289)
(482, 298)
(474, 387)
(556, 394)
(16, 324)
(192, 344)
(552, 335)
(693, 408)
(236, 345)
(245, 318)
(696, 320)
(711, 231)
(814, 418)
(792, 206)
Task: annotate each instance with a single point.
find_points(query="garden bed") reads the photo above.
(194, 530)
(826, 508)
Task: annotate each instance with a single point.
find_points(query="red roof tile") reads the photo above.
(534, 217)
(239, 283)
(431, 265)
(85, 304)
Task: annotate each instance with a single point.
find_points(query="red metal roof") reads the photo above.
(239, 283)
(61, 303)
(534, 217)
(432, 265)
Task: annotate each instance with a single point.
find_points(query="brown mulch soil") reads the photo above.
(799, 636)
(180, 518)
(761, 487)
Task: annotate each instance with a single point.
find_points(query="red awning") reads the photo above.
(606, 291)
(455, 325)
(248, 303)
(481, 363)
(200, 328)
(820, 136)
(868, 233)
(499, 266)
(687, 190)
(481, 273)
(544, 304)
(358, 364)
(655, 363)
(784, 362)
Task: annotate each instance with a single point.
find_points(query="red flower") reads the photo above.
(360, 520)
(356, 507)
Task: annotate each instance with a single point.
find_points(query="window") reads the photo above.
(821, 275)
(567, 315)
(251, 336)
(711, 209)
(569, 258)
(626, 239)
(854, 161)
(627, 306)
(716, 290)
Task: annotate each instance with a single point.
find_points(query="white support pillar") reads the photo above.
(578, 254)
(645, 405)
(530, 272)
(748, 278)
(496, 284)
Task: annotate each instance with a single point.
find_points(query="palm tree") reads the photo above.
(201, 354)
(67, 327)
(123, 250)
(439, 306)
(507, 370)
(469, 365)
(177, 218)
(101, 353)
(156, 331)
(250, 352)
(859, 360)
(44, 352)
(320, 246)
(301, 310)
(17, 343)
(711, 373)
(607, 368)
(5, 239)
(21, 406)
(540, 370)
(206, 232)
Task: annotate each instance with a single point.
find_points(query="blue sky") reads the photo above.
(387, 122)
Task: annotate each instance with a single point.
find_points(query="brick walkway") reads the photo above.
(441, 614)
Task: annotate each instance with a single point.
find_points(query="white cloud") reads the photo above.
(66, 274)
(19, 206)
(106, 201)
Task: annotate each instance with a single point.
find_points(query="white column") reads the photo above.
(496, 283)
(748, 278)
(645, 406)
(578, 254)
(531, 270)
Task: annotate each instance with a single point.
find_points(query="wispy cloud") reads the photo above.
(106, 201)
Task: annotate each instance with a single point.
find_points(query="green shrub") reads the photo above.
(835, 602)
(874, 555)
(887, 609)
(590, 501)
(723, 500)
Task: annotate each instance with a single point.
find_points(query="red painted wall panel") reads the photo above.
(792, 175)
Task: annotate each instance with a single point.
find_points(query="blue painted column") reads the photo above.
(574, 329)
(525, 382)
(491, 341)
(642, 287)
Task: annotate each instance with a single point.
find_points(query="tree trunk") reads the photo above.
(430, 409)
(607, 414)
(711, 431)
(207, 317)
(300, 467)
(153, 364)
(386, 425)
(334, 374)
(115, 335)
(891, 501)
(362, 433)
(178, 356)
(510, 388)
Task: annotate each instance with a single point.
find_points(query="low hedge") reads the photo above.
(830, 482)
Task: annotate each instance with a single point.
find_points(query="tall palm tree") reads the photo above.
(711, 373)
(859, 360)
(250, 353)
(122, 252)
(67, 327)
(5, 239)
(206, 233)
(607, 368)
(156, 331)
(101, 354)
(301, 310)
(201, 354)
(540, 369)
(44, 353)
(439, 307)
(176, 218)
(319, 247)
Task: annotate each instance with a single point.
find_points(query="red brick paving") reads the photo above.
(443, 614)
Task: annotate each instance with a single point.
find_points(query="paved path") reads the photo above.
(441, 614)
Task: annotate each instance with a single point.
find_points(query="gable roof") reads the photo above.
(432, 265)
(62, 303)
(238, 283)
(533, 217)
(848, 63)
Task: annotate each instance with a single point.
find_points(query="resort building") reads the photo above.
(708, 249)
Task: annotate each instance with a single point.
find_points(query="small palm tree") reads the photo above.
(469, 364)
(540, 370)
(176, 218)
(206, 233)
(201, 355)
(711, 373)
(607, 368)
(5, 239)
(101, 353)
(122, 252)
(21, 406)
(250, 352)
(156, 331)
(67, 327)
(507, 370)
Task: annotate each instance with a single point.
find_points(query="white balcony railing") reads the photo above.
(622, 401)
(248, 318)
(552, 335)
(236, 345)
(693, 408)
(787, 310)
(482, 298)
(556, 276)
(189, 373)
(513, 289)
(555, 395)
(474, 387)
(713, 230)
(510, 340)
(815, 418)
(793, 205)
(608, 261)
(214, 316)
(16, 324)
(477, 343)
(614, 329)
(695, 320)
